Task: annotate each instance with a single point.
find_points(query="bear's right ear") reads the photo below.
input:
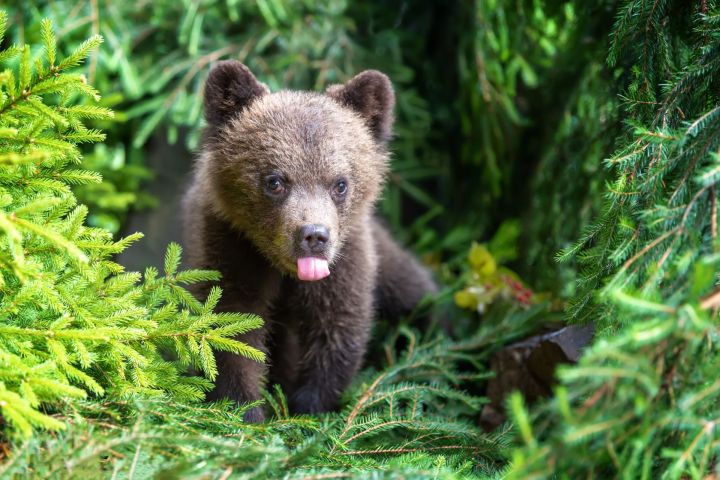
(371, 95)
(229, 88)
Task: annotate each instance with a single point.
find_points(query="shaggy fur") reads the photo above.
(315, 332)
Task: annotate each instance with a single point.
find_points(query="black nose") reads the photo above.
(313, 238)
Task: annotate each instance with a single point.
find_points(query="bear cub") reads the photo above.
(282, 204)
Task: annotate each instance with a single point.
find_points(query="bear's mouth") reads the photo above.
(311, 269)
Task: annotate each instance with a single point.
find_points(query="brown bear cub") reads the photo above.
(281, 203)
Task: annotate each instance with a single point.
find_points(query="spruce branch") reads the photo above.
(639, 400)
(74, 324)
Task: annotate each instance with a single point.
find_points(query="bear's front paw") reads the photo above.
(307, 400)
(254, 415)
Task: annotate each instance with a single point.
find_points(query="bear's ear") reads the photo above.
(370, 94)
(229, 88)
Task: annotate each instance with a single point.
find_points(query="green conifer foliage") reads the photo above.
(643, 401)
(411, 419)
(73, 323)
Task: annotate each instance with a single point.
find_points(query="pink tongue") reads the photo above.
(312, 268)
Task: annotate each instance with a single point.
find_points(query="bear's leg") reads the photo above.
(402, 280)
(249, 285)
(334, 318)
(333, 354)
(241, 379)
(285, 353)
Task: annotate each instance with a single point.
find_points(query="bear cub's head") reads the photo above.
(296, 172)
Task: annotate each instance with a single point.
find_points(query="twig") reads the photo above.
(199, 65)
(382, 451)
(713, 214)
(328, 475)
(594, 398)
(691, 167)
(77, 22)
(131, 474)
(681, 227)
(95, 17)
(356, 410)
(711, 301)
(373, 428)
(706, 430)
(648, 247)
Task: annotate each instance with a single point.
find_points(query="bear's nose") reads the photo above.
(313, 238)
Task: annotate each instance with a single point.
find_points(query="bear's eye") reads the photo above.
(274, 185)
(340, 188)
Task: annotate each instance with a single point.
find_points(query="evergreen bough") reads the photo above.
(643, 401)
(411, 419)
(73, 323)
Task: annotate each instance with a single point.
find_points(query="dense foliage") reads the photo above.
(643, 400)
(74, 324)
(157, 54)
(585, 128)
(410, 419)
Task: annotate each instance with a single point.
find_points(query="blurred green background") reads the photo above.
(504, 109)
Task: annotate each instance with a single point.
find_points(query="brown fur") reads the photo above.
(315, 332)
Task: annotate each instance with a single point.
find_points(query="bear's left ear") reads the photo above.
(230, 87)
(370, 94)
